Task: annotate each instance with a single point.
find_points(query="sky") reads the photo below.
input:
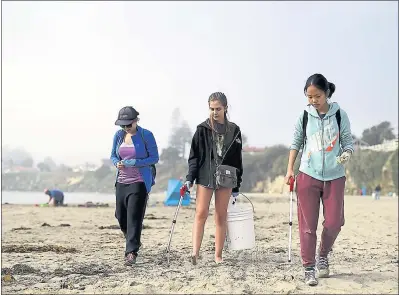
(68, 67)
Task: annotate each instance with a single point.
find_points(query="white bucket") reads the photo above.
(240, 227)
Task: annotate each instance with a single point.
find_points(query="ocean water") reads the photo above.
(15, 197)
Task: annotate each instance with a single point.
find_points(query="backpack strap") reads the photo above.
(153, 168)
(338, 116)
(304, 123)
(142, 137)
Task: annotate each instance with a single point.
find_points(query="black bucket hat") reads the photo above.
(126, 116)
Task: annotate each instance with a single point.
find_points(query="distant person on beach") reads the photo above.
(324, 132)
(216, 141)
(134, 153)
(377, 192)
(56, 197)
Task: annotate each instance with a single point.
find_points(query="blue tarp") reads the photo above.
(364, 191)
(173, 194)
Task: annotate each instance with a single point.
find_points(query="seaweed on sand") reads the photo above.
(37, 248)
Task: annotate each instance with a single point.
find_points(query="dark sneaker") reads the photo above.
(130, 259)
(323, 267)
(310, 276)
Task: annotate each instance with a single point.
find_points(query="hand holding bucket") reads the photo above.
(234, 195)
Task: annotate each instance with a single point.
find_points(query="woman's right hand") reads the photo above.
(119, 165)
(188, 184)
(290, 173)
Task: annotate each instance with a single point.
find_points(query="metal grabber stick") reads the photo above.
(292, 181)
(183, 191)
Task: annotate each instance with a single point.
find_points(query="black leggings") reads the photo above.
(131, 201)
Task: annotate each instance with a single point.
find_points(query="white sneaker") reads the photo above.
(323, 267)
(310, 276)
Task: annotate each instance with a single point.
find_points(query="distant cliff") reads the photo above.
(263, 172)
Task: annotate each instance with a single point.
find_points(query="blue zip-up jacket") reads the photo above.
(146, 154)
(323, 143)
(56, 194)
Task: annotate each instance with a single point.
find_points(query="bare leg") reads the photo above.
(222, 197)
(203, 199)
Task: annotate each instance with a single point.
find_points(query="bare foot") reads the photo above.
(218, 260)
(194, 259)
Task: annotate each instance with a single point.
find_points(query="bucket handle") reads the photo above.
(253, 208)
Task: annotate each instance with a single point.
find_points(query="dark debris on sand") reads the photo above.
(109, 227)
(21, 228)
(43, 225)
(117, 227)
(7, 274)
(37, 248)
(152, 217)
(89, 269)
(19, 269)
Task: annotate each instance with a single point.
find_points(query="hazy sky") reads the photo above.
(68, 67)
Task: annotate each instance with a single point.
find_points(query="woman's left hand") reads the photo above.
(129, 163)
(344, 158)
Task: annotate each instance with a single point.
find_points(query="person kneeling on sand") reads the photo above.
(56, 197)
(324, 132)
(134, 153)
(216, 142)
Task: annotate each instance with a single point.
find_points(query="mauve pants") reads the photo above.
(309, 193)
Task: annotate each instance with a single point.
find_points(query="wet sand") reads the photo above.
(85, 254)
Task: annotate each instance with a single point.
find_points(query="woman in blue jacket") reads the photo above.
(134, 153)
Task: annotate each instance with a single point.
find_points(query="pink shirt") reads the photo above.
(128, 175)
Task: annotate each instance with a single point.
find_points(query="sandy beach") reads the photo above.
(87, 257)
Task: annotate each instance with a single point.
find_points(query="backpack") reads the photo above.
(153, 168)
(305, 122)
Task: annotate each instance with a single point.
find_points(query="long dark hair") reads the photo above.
(320, 82)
